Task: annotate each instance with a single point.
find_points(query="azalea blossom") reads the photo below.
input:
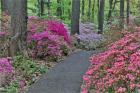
(118, 67)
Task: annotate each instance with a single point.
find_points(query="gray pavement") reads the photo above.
(65, 77)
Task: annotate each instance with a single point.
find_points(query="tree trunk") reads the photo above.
(98, 5)
(69, 11)
(75, 17)
(114, 5)
(101, 16)
(83, 7)
(42, 7)
(18, 27)
(6, 6)
(122, 13)
(5, 10)
(89, 9)
(49, 9)
(93, 10)
(128, 11)
(110, 9)
(59, 9)
(39, 8)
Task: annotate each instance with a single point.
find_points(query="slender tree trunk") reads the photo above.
(49, 7)
(89, 9)
(39, 8)
(18, 27)
(114, 5)
(69, 10)
(101, 16)
(122, 13)
(59, 9)
(98, 5)
(42, 7)
(93, 10)
(83, 7)
(128, 11)
(75, 16)
(63, 8)
(110, 9)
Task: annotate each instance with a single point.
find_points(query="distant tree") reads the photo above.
(121, 13)
(128, 10)
(75, 16)
(101, 16)
(59, 8)
(18, 27)
(98, 5)
(69, 10)
(83, 7)
(93, 10)
(62, 7)
(49, 6)
(40, 7)
(114, 4)
(89, 9)
(110, 9)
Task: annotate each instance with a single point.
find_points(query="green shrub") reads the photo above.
(12, 88)
(28, 66)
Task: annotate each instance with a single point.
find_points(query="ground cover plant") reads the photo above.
(117, 69)
(18, 73)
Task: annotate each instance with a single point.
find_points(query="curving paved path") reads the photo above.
(65, 77)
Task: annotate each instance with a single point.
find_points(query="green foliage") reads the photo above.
(12, 88)
(27, 66)
(110, 90)
(26, 70)
(34, 6)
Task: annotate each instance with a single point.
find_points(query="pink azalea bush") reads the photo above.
(6, 66)
(47, 39)
(6, 71)
(117, 69)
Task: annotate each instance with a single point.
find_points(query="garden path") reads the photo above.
(66, 76)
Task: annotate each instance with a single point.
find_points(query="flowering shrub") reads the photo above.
(5, 65)
(117, 69)
(59, 29)
(6, 70)
(47, 39)
(15, 77)
(88, 37)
